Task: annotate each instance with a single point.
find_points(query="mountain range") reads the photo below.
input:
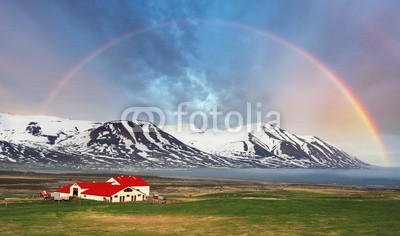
(58, 142)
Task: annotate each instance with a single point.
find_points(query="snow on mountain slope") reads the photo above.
(39, 130)
(55, 141)
(269, 146)
(208, 140)
(140, 143)
(62, 142)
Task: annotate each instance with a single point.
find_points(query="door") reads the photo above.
(75, 192)
(134, 198)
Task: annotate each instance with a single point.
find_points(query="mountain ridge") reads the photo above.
(56, 141)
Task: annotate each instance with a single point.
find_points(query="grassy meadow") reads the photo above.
(227, 208)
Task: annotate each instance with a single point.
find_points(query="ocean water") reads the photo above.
(366, 178)
(375, 177)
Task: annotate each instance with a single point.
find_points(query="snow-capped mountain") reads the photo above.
(267, 145)
(55, 141)
(141, 144)
(40, 130)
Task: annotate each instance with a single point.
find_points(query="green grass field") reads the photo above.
(276, 212)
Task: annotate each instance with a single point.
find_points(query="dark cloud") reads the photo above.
(191, 57)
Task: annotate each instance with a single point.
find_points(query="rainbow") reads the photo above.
(335, 79)
(60, 84)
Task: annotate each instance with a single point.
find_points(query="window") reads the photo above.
(139, 195)
(84, 195)
(115, 196)
(127, 195)
(128, 190)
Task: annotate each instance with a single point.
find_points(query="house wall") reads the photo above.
(143, 189)
(117, 196)
(128, 196)
(80, 190)
(93, 197)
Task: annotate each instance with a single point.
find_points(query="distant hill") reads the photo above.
(54, 141)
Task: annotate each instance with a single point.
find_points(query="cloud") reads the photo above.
(202, 62)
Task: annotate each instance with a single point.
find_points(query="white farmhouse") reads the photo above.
(116, 189)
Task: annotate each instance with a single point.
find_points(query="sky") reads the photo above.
(91, 60)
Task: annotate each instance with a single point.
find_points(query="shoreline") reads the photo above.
(28, 174)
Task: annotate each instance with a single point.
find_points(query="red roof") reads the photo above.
(86, 185)
(64, 189)
(105, 189)
(128, 180)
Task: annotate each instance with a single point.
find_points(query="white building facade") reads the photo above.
(116, 189)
